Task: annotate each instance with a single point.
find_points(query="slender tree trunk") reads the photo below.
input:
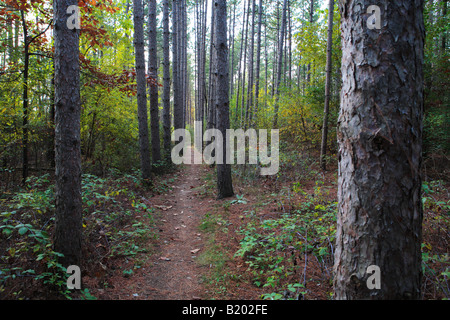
(224, 182)
(51, 143)
(153, 72)
(144, 145)
(311, 20)
(166, 71)
(444, 34)
(68, 213)
(243, 68)
(289, 37)
(26, 56)
(249, 107)
(280, 62)
(233, 23)
(323, 147)
(379, 219)
(258, 60)
(177, 106)
(212, 80)
(240, 68)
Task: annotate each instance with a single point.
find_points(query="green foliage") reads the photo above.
(111, 208)
(272, 247)
(436, 69)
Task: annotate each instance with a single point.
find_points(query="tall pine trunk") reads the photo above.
(153, 72)
(379, 218)
(25, 136)
(166, 75)
(258, 60)
(224, 182)
(249, 107)
(68, 214)
(144, 145)
(177, 104)
(280, 62)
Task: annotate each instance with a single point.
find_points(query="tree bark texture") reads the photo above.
(379, 218)
(68, 223)
(166, 75)
(144, 144)
(153, 72)
(224, 182)
(177, 103)
(280, 62)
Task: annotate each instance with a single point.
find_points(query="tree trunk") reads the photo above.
(177, 107)
(249, 107)
(153, 90)
(211, 119)
(166, 89)
(240, 68)
(323, 147)
(243, 68)
(26, 57)
(224, 182)
(258, 60)
(280, 62)
(379, 218)
(233, 24)
(311, 20)
(68, 214)
(138, 19)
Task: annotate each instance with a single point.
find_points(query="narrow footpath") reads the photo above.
(170, 272)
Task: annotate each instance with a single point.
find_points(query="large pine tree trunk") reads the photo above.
(153, 72)
(380, 145)
(224, 182)
(144, 145)
(68, 224)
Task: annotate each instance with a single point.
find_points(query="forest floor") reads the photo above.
(170, 272)
(176, 241)
(195, 255)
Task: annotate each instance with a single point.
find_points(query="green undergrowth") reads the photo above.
(117, 222)
(276, 248)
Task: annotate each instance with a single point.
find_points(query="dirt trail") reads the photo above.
(171, 272)
(175, 274)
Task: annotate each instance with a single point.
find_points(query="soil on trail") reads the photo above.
(170, 273)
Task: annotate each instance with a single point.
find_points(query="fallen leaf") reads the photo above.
(164, 258)
(163, 208)
(195, 251)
